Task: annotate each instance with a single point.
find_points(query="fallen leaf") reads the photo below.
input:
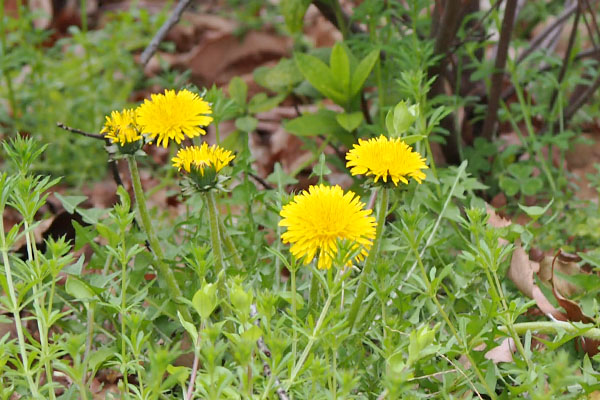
(521, 273)
(502, 352)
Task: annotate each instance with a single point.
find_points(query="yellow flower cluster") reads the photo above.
(202, 156)
(318, 218)
(121, 127)
(385, 159)
(169, 116)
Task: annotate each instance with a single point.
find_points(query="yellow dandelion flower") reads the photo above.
(202, 156)
(121, 127)
(317, 218)
(385, 158)
(173, 116)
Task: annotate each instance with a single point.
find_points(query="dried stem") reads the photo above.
(498, 76)
(162, 32)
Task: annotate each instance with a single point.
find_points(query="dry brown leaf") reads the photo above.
(568, 268)
(502, 352)
(521, 273)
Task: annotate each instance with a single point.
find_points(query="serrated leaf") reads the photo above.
(349, 121)
(362, 72)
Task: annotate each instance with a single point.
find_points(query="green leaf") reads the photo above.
(79, 289)
(279, 177)
(100, 356)
(246, 124)
(287, 296)
(70, 202)
(280, 78)
(293, 13)
(340, 68)
(320, 123)
(349, 121)
(238, 91)
(261, 102)
(362, 72)
(252, 334)
(323, 122)
(189, 327)
(509, 185)
(532, 186)
(205, 300)
(535, 211)
(319, 75)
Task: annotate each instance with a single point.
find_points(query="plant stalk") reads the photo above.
(165, 272)
(370, 262)
(214, 231)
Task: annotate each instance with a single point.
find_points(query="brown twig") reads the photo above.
(326, 9)
(162, 32)
(444, 36)
(566, 58)
(584, 97)
(79, 132)
(260, 180)
(539, 39)
(498, 76)
(265, 350)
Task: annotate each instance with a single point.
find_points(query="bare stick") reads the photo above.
(79, 132)
(162, 32)
(539, 39)
(265, 350)
(566, 58)
(582, 99)
(498, 76)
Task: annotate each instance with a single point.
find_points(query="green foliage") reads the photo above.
(437, 292)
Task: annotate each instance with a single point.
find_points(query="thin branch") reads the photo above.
(325, 8)
(566, 58)
(162, 32)
(594, 26)
(584, 97)
(260, 180)
(265, 350)
(498, 76)
(79, 132)
(444, 36)
(539, 39)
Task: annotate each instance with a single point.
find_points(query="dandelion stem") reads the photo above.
(164, 270)
(370, 262)
(230, 246)
(214, 231)
(311, 340)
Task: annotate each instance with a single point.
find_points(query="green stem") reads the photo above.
(230, 246)
(40, 314)
(88, 342)
(214, 231)
(294, 331)
(17, 317)
(124, 358)
(311, 342)
(362, 284)
(164, 271)
(433, 296)
(553, 327)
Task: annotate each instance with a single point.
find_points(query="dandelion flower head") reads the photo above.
(316, 219)
(174, 116)
(121, 127)
(201, 157)
(385, 159)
